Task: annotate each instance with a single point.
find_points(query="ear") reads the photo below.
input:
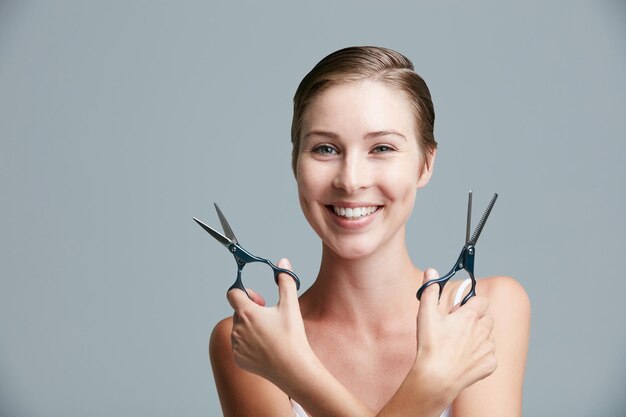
(426, 170)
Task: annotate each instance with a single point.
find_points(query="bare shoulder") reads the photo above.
(221, 355)
(509, 306)
(221, 329)
(503, 292)
(241, 393)
(507, 297)
(219, 343)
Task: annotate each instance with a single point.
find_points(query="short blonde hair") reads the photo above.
(366, 62)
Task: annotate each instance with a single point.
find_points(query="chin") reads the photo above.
(351, 250)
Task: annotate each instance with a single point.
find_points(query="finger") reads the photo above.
(234, 340)
(455, 307)
(478, 304)
(492, 341)
(256, 297)
(488, 322)
(287, 290)
(430, 296)
(237, 298)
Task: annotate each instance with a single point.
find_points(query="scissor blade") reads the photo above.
(469, 217)
(225, 226)
(483, 220)
(217, 235)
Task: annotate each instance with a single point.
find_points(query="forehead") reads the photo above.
(365, 105)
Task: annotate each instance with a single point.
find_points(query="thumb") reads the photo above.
(430, 296)
(237, 298)
(287, 291)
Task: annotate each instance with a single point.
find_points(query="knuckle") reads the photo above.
(487, 326)
(239, 361)
(488, 365)
(480, 303)
(286, 280)
(471, 315)
(491, 346)
(492, 364)
(244, 313)
(483, 334)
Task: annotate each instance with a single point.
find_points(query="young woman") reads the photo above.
(358, 342)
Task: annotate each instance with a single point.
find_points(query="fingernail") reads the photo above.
(284, 263)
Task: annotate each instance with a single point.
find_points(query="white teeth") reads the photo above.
(354, 213)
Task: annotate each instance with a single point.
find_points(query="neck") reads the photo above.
(366, 293)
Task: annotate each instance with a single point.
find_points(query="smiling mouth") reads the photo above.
(353, 213)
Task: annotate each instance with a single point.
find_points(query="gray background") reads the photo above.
(121, 120)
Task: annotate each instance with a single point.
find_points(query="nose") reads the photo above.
(352, 175)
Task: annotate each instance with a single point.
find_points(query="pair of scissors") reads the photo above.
(466, 258)
(242, 256)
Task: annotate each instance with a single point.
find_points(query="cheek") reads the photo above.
(308, 185)
(313, 177)
(401, 180)
(302, 179)
(310, 188)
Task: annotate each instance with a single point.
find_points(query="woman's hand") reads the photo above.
(456, 348)
(269, 341)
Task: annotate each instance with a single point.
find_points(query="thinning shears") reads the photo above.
(242, 256)
(466, 258)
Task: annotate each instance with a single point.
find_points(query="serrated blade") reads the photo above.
(483, 220)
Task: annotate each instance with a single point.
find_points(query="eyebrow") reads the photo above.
(370, 135)
(320, 133)
(373, 135)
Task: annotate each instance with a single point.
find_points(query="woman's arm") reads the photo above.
(242, 393)
(271, 342)
(260, 349)
(500, 394)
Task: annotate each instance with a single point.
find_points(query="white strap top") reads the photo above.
(298, 411)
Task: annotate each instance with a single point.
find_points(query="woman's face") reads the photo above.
(359, 166)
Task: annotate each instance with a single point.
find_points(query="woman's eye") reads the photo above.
(383, 149)
(325, 150)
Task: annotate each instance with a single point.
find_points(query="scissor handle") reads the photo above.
(278, 270)
(244, 257)
(442, 281)
(472, 291)
(238, 284)
(467, 255)
(466, 262)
